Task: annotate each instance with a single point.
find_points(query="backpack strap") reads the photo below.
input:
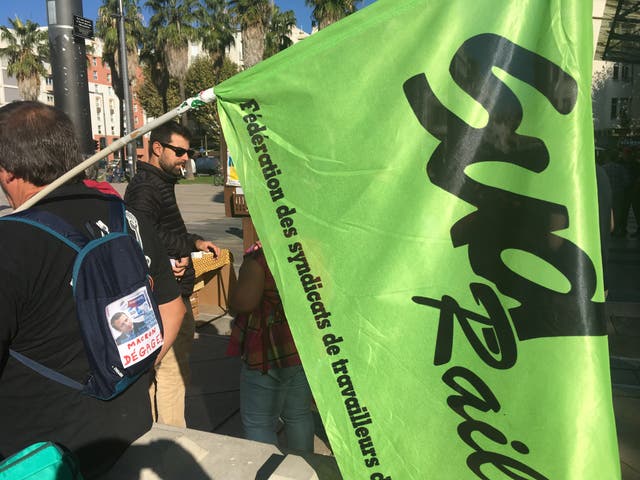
(46, 371)
(65, 232)
(51, 224)
(117, 215)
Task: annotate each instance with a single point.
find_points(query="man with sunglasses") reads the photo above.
(152, 192)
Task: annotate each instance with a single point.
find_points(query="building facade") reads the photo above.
(615, 88)
(103, 102)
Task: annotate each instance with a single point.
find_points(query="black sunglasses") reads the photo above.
(179, 151)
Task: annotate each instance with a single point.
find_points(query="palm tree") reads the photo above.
(107, 30)
(155, 68)
(26, 52)
(253, 18)
(173, 24)
(215, 30)
(280, 26)
(326, 12)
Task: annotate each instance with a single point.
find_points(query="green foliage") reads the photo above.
(249, 12)
(215, 28)
(26, 52)
(227, 70)
(203, 180)
(280, 26)
(202, 74)
(252, 16)
(149, 97)
(174, 24)
(326, 12)
(107, 31)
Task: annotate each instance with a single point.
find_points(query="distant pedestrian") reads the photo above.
(273, 384)
(621, 182)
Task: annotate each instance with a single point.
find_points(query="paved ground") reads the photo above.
(213, 396)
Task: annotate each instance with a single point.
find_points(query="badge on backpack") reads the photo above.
(134, 327)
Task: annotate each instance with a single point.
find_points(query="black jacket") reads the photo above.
(151, 192)
(38, 319)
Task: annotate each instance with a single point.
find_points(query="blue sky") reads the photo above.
(35, 10)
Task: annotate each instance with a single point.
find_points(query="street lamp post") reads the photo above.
(124, 75)
(69, 69)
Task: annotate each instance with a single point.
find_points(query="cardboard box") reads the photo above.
(215, 279)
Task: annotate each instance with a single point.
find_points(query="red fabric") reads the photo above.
(103, 187)
(263, 338)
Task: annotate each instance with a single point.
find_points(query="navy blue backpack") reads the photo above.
(118, 317)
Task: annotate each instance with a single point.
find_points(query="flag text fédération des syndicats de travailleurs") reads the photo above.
(421, 175)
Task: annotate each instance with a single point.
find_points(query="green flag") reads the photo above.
(422, 177)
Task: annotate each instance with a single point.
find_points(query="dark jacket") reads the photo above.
(151, 192)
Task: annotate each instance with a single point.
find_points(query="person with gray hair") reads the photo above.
(37, 307)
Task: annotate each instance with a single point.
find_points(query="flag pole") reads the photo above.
(204, 97)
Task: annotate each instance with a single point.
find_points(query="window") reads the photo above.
(94, 62)
(8, 81)
(50, 99)
(626, 77)
(100, 129)
(622, 72)
(135, 108)
(95, 75)
(48, 81)
(620, 108)
(108, 77)
(624, 105)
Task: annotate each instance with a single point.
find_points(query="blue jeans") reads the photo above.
(280, 393)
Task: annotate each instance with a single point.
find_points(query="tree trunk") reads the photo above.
(253, 44)
(29, 88)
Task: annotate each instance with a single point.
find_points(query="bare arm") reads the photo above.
(248, 291)
(172, 314)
